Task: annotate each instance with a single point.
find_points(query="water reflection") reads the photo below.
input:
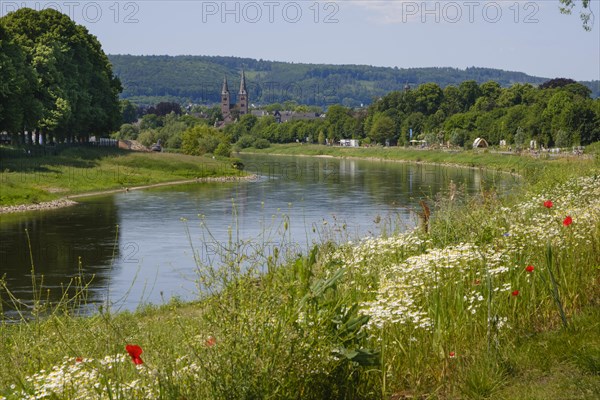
(163, 232)
(58, 245)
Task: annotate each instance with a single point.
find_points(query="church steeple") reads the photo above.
(243, 84)
(225, 103)
(225, 87)
(243, 96)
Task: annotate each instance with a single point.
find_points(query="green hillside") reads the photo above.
(198, 79)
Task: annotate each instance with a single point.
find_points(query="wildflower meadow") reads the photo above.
(499, 299)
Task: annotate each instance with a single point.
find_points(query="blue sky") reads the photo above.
(527, 36)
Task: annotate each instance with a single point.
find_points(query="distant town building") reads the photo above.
(230, 110)
(285, 116)
(242, 105)
(259, 113)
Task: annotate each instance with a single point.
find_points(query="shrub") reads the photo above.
(147, 137)
(200, 140)
(245, 141)
(223, 150)
(262, 144)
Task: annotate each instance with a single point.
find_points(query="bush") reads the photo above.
(223, 150)
(321, 138)
(201, 139)
(593, 148)
(262, 144)
(245, 141)
(459, 137)
(174, 142)
(127, 131)
(147, 137)
(563, 138)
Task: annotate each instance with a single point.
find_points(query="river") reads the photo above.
(146, 246)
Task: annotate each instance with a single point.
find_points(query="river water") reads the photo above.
(146, 246)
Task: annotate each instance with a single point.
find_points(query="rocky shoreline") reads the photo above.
(46, 205)
(67, 201)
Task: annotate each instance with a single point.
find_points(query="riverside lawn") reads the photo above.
(76, 170)
(514, 163)
(470, 310)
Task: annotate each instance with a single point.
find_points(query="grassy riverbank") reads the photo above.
(499, 299)
(76, 170)
(532, 168)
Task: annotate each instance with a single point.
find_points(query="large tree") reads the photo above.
(382, 129)
(75, 84)
(18, 106)
(428, 98)
(337, 117)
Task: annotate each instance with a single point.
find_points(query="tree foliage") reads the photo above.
(585, 14)
(561, 113)
(382, 129)
(150, 79)
(18, 106)
(165, 107)
(202, 139)
(66, 87)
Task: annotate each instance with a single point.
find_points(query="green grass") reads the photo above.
(26, 180)
(561, 364)
(530, 168)
(411, 316)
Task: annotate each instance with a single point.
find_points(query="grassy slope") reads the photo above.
(263, 349)
(26, 180)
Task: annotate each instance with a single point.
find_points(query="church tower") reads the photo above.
(243, 96)
(225, 104)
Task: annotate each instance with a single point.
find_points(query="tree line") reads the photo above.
(560, 112)
(198, 79)
(56, 80)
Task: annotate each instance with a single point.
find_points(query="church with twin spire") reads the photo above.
(228, 108)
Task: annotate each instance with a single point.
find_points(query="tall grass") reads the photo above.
(453, 313)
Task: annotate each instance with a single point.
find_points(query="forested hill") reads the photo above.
(198, 79)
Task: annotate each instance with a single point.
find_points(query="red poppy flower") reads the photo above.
(529, 268)
(568, 221)
(135, 352)
(452, 354)
(210, 342)
(548, 204)
(78, 359)
(515, 293)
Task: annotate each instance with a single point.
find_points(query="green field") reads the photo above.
(76, 170)
(498, 299)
